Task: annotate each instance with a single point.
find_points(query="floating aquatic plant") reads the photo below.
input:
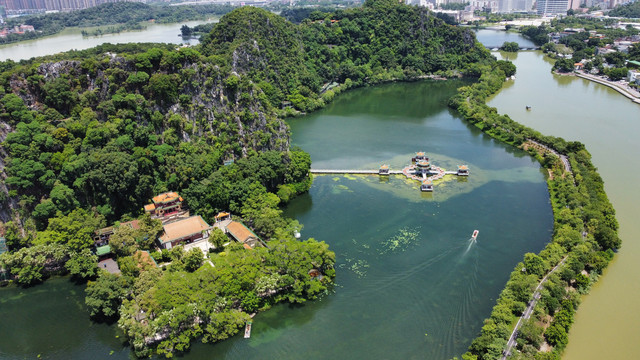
(404, 239)
(358, 266)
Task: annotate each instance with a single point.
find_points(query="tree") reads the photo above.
(549, 47)
(531, 333)
(634, 52)
(582, 281)
(507, 67)
(535, 264)
(616, 74)
(557, 336)
(14, 238)
(607, 238)
(123, 241)
(563, 65)
(510, 46)
(42, 212)
(163, 88)
(217, 238)
(83, 265)
(185, 31)
(193, 259)
(63, 198)
(60, 95)
(75, 229)
(105, 295)
(149, 231)
(33, 264)
(128, 266)
(615, 58)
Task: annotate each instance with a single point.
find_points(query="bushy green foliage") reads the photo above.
(539, 35)
(74, 230)
(214, 301)
(105, 295)
(507, 67)
(629, 10)
(510, 46)
(83, 265)
(33, 264)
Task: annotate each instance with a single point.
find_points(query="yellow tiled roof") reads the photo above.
(166, 197)
(183, 228)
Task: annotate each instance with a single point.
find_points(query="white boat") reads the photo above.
(475, 234)
(247, 330)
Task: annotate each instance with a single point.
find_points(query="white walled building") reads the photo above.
(552, 7)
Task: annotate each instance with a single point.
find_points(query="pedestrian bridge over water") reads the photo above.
(420, 170)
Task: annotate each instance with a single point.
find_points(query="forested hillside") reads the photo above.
(153, 118)
(629, 10)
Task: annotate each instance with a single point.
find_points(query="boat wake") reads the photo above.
(471, 242)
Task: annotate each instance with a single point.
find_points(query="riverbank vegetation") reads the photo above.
(119, 16)
(130, 26)
(585, 233)
(95, 133)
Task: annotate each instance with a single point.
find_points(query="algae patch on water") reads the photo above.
(338, 189)
(401, 241)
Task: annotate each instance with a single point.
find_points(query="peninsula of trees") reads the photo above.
(584, 238)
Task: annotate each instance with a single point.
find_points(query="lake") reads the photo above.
(494, 39)
(72, 39)
(410, 284)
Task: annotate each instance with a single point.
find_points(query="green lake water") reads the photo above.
(51, 321)
(410, 284)
(428, 301)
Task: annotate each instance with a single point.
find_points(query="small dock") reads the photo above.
(364, 172)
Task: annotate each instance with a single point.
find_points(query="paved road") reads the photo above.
(622, 88)
(565, 160)
(528, 311)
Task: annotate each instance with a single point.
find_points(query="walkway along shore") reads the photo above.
(528, 311)
(615, 86)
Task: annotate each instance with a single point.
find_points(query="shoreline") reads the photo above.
(614, 86)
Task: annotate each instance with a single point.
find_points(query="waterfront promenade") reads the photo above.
(630, 93)
(528, 311)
